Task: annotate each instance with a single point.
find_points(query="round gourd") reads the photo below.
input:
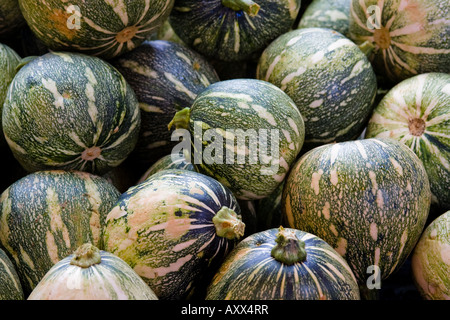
(167, 162)
(431, 260)
(70, 111)
(410, 37)
(11, 19)
(102, 27)
(246, 134)
(10, 286)
(166, 77)
(331, 14)
(329, 78)
(417, 113)
(46, 215)
(92, 274)
(369, 199)
(232, 30)
(173, 230)
(283, 264)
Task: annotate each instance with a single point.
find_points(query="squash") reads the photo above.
(369, 199)
(167, 162)
(92, 274)
(10, 286)
(173, 230)
(283, 264)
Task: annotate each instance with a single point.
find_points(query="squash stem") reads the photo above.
(181, 119)
(367, 48)
(86, 256)
(228, 224)
(248, 6)
(289, 249)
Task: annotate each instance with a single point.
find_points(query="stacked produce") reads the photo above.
(224, 150)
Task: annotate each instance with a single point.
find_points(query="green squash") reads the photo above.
(10, 286)
(283, 264)
(369, 199)
(174, 229)
(232, 30)
(431, 260)
(103, 27)
(47, 215)
(70, 111)
(166, 77)
(331, 14)
(327, 76)
(417, 113)
(246, 134)
(92, 274)
(410, 37)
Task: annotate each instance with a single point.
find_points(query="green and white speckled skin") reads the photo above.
(219, 32)
(369, 199)
(164, 229)
(431, 260)
(70, 111)
(250, 272)
(417, 113)
(166, 77)
(332, 14)
(412, 36)
(329, 78)
(47, 215)
(10, 286)
(110, 279)
(107, 28)
(11, 17)
(248, 104)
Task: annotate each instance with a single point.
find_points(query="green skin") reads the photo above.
(329, 78)
(279, 264)
(63, 210)
(232, 30)
(106, 30)
(246, 104)
(369, 199)
(430, 260)
(417, 113)
(412, 36)
(166, 77)
(11, 17)
(70, 111)
(327, 14)
(10, 287)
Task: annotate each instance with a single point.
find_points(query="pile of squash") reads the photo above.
(224, 149)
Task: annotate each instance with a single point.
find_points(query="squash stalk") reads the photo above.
(86, 256)
(248, 6)
(228, 224)
(289, 249)
(367, 48)
(181, 119)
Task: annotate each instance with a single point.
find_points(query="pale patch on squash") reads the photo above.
(52, 248)
(315, 181)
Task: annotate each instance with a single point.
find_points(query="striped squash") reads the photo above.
(10, 287)
(329, 78)
(165, 76)
(167, 162)
(431, 260)
(70, 111)
(232, 30)
(173, 230)
(417, 113)
(106, 28)
(410, 36)
(331, 14)
(11, 18)
(46, 215)
(246, 134)
(369, 199)
(9, 60)
(92, 274)
(283, 264)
